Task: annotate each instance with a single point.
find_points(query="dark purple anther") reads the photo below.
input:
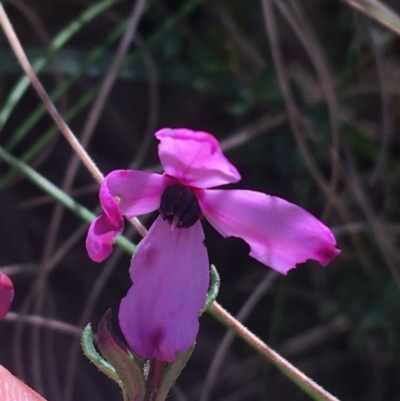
(179, 206)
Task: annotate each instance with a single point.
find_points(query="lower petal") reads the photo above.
(170, 271)
(280, 234)
(101, 235)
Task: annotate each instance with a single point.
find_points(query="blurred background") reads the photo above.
(304, 98)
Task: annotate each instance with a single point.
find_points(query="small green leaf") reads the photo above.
(128, 369)
(213, 290)
(172, 372)
(90, 351)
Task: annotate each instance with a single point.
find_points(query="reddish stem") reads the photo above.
(154, 379)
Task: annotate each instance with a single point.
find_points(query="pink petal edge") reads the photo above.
(280, 234)
(170, 271)
(100, 237)
(194, 158)
(13, 389)
(6, 294)
(127, 193)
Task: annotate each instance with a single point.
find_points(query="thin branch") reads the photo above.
(292, 111)
(384, 82)
(307, 384)
(91, 123)
(227, 341)
(49, 323)
(307, 37)
(377, 11)
(62, 125)
(384, 241)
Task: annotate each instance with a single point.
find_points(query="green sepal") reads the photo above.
(90, 351)
(213, 290)
(171, 373)
(127, 367)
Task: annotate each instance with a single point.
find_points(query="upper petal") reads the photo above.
(170, 272)
(280, 234)
(6, 294)
(194, 158)
(137, 192)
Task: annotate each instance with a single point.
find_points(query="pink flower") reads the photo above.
(6, 294)
(170, 270)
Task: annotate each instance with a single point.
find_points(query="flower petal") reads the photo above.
(13, 389)
(127, 193)
(170, 272)
(280, 234)
(194, 158)
(138, 192)
(100, 237)
(6, 294)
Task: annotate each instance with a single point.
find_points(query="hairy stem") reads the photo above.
(154, 379)
(303, 381)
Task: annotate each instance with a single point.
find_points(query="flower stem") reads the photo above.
(307, 385)
(154, 379)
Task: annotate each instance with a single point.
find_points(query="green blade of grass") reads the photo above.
(37, 114)
(60, 196)
(58, 42)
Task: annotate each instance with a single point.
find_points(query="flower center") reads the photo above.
(179, 206)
